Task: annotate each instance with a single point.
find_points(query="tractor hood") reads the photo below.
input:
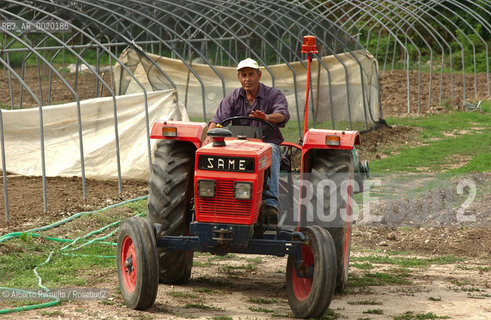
(222, 173)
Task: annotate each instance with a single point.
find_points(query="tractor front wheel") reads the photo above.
(310, 282)
(137, 263)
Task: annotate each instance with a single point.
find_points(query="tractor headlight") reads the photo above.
(243, 190)
(206, 188)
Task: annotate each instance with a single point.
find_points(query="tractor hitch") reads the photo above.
(222, 236)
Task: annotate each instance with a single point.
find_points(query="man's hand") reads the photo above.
(211, 125)
(259, 114)
(207, 140)
(273, 118)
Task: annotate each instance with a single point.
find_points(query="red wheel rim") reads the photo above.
(128, 264)
(303, 286)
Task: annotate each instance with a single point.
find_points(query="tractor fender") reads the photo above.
(315, 139)
(193, 132)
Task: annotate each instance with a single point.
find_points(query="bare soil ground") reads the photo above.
(85, 85)
(394, 89)
(253, 287)
(64, 198)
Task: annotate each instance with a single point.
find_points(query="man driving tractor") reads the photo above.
(257, 100)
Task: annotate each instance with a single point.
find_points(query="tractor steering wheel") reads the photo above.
(266, 134)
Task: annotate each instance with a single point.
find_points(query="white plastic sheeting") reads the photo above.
(346, 84)
(61, 136)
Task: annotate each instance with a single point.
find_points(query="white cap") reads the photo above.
(248, 63)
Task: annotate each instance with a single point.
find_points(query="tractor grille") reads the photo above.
(225, 206)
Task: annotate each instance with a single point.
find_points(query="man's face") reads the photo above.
(249, 78)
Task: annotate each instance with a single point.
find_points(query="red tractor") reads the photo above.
(209, 199)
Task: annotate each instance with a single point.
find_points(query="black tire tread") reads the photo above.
(141, 233)
(170, 180)
(324, 278)
(335, 166)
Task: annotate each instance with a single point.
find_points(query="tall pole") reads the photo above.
(308, 47)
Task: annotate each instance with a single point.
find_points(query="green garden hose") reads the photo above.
(75, 216)
(71, 242)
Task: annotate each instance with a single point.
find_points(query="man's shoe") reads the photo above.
(271, 215)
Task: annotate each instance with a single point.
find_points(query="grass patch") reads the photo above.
(238, 269)
(409, 315)
(483, 269)
(177, 294)
(478, 296)
(222, 318)
(80, 267)
(256, 260)
(229, 256)
(351, 290)
(330, 315)
(56, 313)
(260, 309)
(16, 267)
(139, 207)
(202, 264)
(203, 290)
(465, 289)
(458, 282)
(435, 156)
(200, 306)
(374, 311)
(463, 267)
(365, 302)
(396, 252)
(362, 266)
(436, 125)
(263, 300)
(435, 299)
(408, 262)
(445, 136)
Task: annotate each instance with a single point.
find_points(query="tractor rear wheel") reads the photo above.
(310, 295)
(337, 167)
(170, 192)
(137, 263)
